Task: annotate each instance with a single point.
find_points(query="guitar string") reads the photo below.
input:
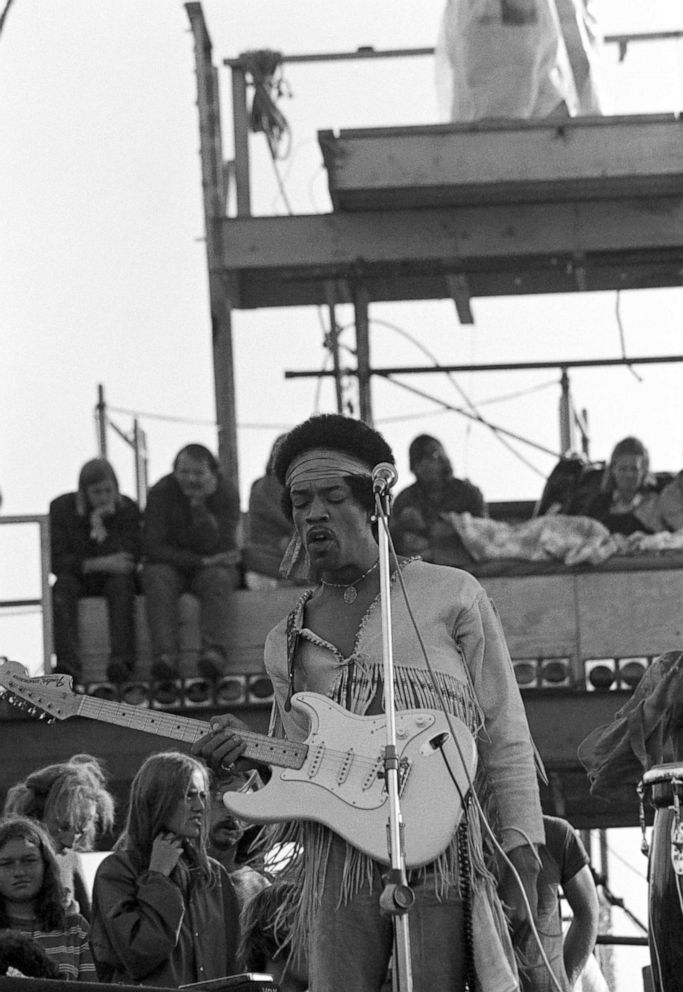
(198, 727)
(190, 731)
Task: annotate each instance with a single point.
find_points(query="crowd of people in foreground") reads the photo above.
(166, 904)
(165, 912)
(174, 902)
(188, 539)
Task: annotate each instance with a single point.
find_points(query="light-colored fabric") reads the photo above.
(518, 59)
(467, 651)
(668, 513)
(324, 463)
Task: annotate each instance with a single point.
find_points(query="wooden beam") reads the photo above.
(420, 238)
(360, 306)
(222, 284)
(459, 291)
(502, 162)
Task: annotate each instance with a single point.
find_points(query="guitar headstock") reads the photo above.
(49, 697)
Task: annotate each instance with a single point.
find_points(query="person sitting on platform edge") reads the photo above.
(95, 549)
(164, 912)
(269, 531)
(628, 498)
(420, 522)
(189, 544)
(331, 644)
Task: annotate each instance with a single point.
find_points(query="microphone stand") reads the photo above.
(396, 898)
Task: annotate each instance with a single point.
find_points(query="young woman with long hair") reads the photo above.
(164, 912)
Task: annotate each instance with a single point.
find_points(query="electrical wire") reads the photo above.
(3, 16)
(494, 427)
(383, 522)
(473, 414)
(626, 864)
(622, 337)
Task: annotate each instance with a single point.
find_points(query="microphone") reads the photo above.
(384, 476)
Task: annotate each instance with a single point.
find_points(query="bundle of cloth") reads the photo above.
(571, 540)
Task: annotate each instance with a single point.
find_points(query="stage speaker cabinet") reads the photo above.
(259, 690)
(197, 693)
(556, 673)
(630, 671)
(108, 691)
(231, 690)
(526, 672)
(166, 694)
(136, 694)
(601, 674)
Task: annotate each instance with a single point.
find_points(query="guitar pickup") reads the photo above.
(345, 768)
(316, 760)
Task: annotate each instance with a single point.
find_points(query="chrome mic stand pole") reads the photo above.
(396, 898)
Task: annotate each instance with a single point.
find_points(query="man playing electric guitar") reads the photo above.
(331, 644)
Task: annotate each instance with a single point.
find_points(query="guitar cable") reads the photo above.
(472, 795)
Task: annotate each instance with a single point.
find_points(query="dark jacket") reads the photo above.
(418, 526)
(153, 930)
(179, 534)
(70, 541)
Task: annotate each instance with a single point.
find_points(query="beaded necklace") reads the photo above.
(350, 590)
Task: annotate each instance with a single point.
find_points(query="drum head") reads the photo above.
(659, 781)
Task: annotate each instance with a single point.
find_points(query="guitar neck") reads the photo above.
(259, 747)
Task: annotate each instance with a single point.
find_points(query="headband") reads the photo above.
(324, 463)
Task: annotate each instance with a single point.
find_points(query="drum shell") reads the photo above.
(664, 891)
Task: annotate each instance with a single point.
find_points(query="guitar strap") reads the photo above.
(293, 634)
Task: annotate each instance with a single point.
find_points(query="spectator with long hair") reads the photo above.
(164, 912)
(32, 899)
(95, 550)
(628, 496)
(70, 799)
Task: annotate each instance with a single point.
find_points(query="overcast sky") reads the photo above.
(103, 274)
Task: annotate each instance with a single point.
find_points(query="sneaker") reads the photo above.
(118, 670)
(163, 669)
(68, 668)
(211, 664)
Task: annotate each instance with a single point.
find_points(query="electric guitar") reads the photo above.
(335, 776)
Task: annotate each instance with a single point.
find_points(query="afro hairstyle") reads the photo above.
(337, 433)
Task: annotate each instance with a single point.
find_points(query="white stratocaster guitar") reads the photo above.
(335, 776)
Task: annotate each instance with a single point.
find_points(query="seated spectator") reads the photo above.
(626, 502)
(270, 530)
(420, 523)
(95, 547)
(190, 545)
(71, 801)
(669, 505)
(32, 899)
(570, 487)
(566, 868)
(164, 912)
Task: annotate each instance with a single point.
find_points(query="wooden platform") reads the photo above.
(504, 162)
(570, 620)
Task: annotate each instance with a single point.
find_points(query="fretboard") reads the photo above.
(259, 747)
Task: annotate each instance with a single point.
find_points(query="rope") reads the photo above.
(265, 69)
